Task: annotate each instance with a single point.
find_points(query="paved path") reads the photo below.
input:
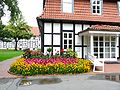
(69, 82)
(4, 67)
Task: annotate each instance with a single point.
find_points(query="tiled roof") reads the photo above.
(105, 27)
(82, 11)
(102, 28)
(35, 31)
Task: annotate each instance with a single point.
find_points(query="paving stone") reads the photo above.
(5, 83)
(13, 86)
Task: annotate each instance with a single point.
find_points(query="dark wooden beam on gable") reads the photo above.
(43, 3)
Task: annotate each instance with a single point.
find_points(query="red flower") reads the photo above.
(62, 50)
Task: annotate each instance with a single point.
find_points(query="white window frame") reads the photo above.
(68, 40)
(104, 47)
(100, 5)
(118, 3)
(69, 3)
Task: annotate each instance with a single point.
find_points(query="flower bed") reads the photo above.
(51, 65)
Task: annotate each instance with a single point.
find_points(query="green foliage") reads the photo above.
(39, 56)
(49, 50)
(33, 54)
(27, 53)
(12, 8)
(4, 35)
(69, 53)
(18, 30)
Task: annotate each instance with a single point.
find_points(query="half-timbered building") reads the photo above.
(86, 26)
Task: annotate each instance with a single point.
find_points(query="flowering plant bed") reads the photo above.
(60, 65)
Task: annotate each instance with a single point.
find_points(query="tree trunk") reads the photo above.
(16, 41)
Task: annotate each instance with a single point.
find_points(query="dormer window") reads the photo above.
(96, 7)
(119, 7)
(67, 6)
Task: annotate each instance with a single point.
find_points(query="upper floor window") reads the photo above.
(67, 6)
(96, 6)
(119, 7)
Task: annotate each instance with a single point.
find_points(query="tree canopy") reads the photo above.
(12, 8)
(18, 30)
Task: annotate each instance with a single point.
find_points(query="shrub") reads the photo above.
(27, 53)
(35, 66)
(32, 53)
(70, 53)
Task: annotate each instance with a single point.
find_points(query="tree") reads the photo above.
(4, 35)
(12, 8)
(18, 30)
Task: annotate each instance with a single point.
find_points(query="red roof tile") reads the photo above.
(105, 27)
(102, 28)
(82, 11)
(35, 31)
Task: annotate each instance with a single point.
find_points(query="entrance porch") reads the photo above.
(102, 41)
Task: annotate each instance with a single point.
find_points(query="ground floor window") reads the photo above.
(104, 46)
(67, 40)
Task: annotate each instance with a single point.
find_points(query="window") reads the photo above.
(96, 6)
(104, 46)
(67, 6)
(119, 7)
(67, 40)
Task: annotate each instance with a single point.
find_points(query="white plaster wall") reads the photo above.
(86, 41)
(56, 27)
(56, 39)
(78, 40)
(55, 49)
(47, 28)
(47, 39)
(78, 28)
(79, 51)
(85, 26)
(67, 26)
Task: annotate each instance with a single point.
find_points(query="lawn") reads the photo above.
(6, 54)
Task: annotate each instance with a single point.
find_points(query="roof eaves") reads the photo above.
(43, 18)
(90, 29)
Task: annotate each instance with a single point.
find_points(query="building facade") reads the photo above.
(86, 26)
(33, 43)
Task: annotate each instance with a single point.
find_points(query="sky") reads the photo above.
(30, 10)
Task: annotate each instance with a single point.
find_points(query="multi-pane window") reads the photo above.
(67, 40)
(67, 6)
(104, 46)
(119, 7)
(96, 6)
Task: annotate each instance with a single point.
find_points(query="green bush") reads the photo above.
(70, 53)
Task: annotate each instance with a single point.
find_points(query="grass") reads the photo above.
(7, 54)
